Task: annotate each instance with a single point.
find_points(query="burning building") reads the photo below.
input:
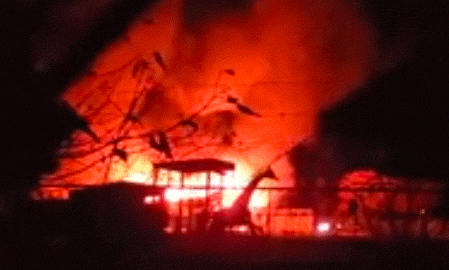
(195, 80)
(191, 79)
(239, 81)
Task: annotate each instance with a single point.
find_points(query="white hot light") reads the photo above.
(151, 199)
(138, 177)
(173, 195)
(324, 227)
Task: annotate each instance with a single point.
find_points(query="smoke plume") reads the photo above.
(289, 59)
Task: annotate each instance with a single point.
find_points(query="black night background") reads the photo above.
(398, 123)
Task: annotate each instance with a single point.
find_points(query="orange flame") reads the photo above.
(289, 59)
(230, 182)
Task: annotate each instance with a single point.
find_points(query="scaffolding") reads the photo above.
(198, 212)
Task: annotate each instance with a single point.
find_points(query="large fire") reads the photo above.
(239, 84)
(230, 185)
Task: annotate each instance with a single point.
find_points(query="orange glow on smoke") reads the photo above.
(290, 59)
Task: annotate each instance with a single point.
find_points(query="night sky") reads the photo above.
(44, 45)
(397, 123)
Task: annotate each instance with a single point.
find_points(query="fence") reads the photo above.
(377, 211)
(414, 211)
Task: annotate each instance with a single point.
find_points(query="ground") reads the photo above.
(230, 252)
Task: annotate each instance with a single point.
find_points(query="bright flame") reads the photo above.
(174, 195)
(136, 169)
(242, 175)
(259, 199)
(138, 177)
(324, 227)
(228, 179)
(287, 65)
(233, 183)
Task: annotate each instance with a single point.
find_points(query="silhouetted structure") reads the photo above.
(195, 166)
(238, 213)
